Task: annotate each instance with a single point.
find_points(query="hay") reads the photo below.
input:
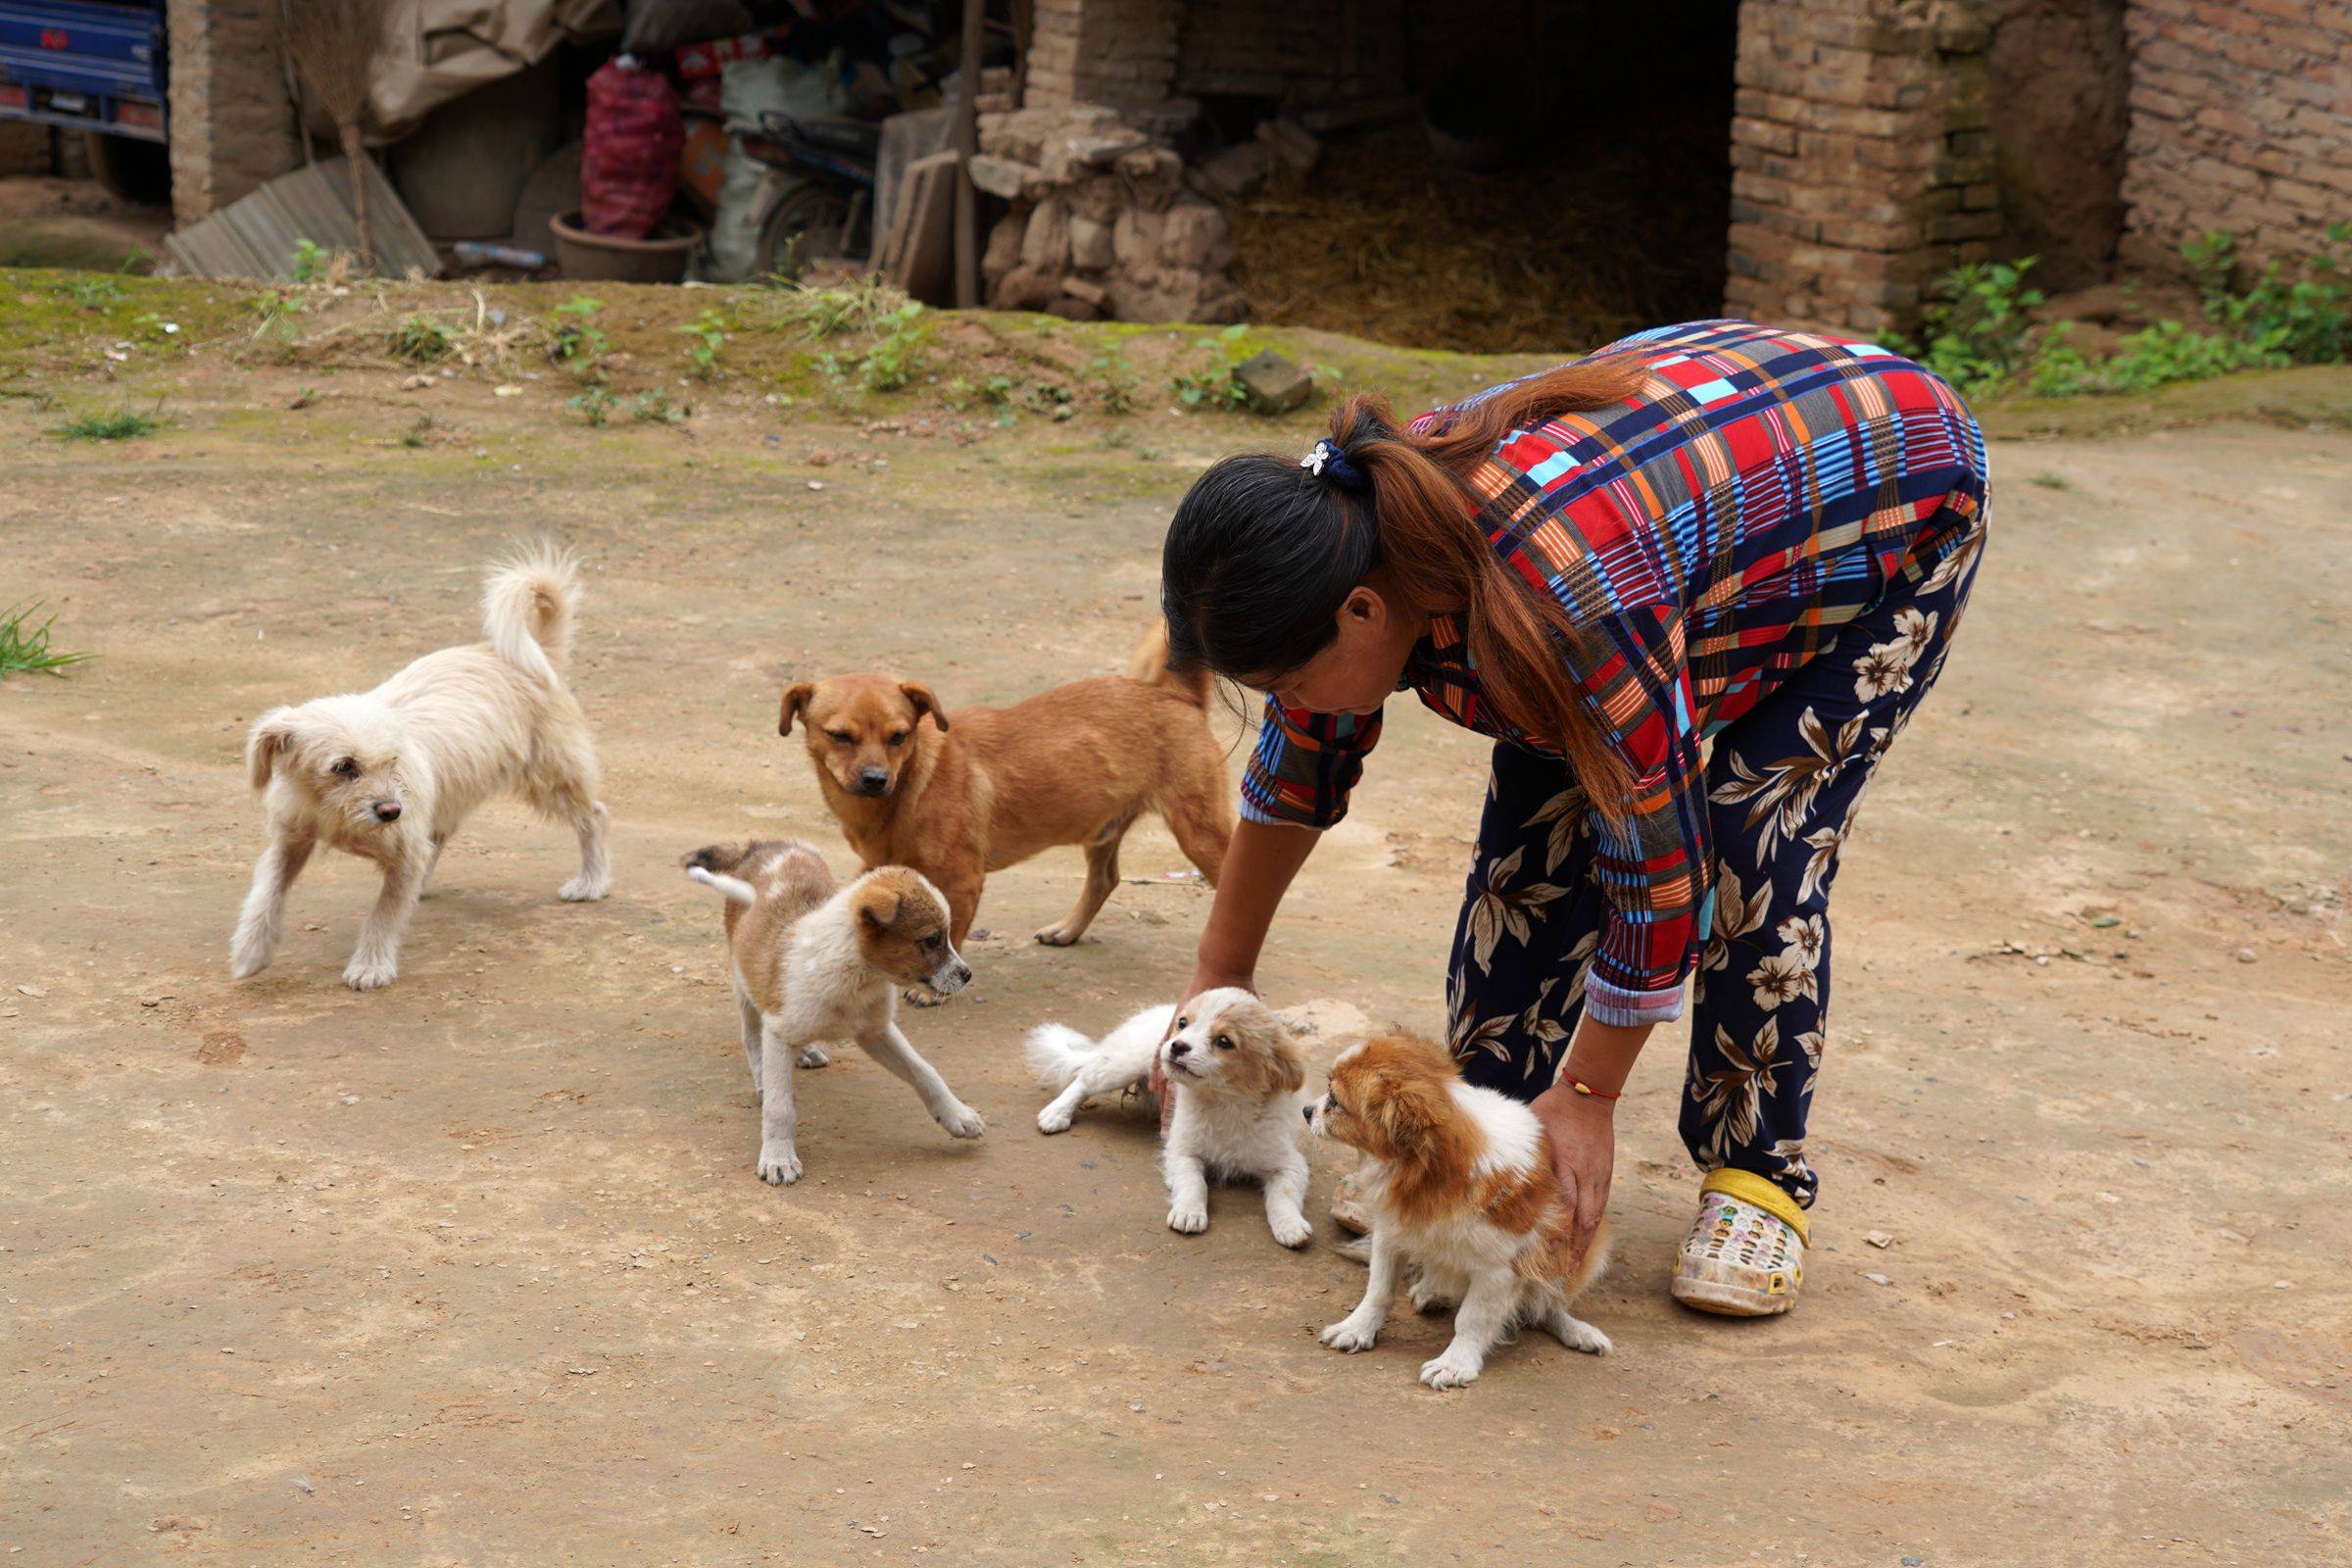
(1623, 228)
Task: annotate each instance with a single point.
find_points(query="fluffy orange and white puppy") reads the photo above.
(389, 774)
(1460, 1182)
(813, 962)
(1240, 1082)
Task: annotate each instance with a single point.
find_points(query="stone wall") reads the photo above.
(232, 126)
(1861, 158)
(2242, 120)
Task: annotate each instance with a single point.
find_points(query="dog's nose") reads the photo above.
(871, 780)
(963, 974)
(387, 811)
(1309, 1111)
(1177, 1047)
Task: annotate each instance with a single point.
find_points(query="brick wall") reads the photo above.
(1117, 52)
(24, 148)
(232, 126)
(2242, 120)
(1861, 158)
(1305, 53)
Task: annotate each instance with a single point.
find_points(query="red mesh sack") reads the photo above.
(630, 166)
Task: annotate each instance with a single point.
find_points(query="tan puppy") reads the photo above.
(813, 962)
(1460, 1182)
(959, 795)
(389, 774)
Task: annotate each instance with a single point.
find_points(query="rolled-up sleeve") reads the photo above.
(1305, 765)
(1656, 865)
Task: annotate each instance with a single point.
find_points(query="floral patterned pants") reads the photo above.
(1782, 782)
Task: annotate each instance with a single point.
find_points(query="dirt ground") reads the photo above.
(475, 1269)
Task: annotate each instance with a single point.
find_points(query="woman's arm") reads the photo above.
(1584, 1127)
(1260, 864)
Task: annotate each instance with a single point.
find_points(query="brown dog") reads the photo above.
(959, 795)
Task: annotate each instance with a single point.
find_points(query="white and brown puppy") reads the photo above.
(389, 774)
(1239, 1085)
(813, 962)
(1460, 1182)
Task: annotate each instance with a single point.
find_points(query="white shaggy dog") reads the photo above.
(811, 963)
(389, 774)
(1240, 1090)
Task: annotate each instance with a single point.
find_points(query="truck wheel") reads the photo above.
(135, 171)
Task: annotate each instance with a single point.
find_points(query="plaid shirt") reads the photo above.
(1710, 535)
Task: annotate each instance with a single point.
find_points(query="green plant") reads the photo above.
(2050, 481)
(28, 650)
(2156, 356)
(420, 431)
(277, 310)
(1116, 386)
(420, 341)
(1209, 382)
(123, 425)
(1975, 333)
(310, 261)
(709, 333)
(890, 359)
(594, 405)
(2305, 319)
(578, 343)
(655, 408)
(96, 293)
(862, 305)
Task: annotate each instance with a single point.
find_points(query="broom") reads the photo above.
(333, 45)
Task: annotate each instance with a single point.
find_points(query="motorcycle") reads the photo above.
(817, 197)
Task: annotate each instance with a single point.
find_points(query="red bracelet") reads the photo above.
(1584, 1087)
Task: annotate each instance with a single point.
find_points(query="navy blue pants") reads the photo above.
(1783, 781)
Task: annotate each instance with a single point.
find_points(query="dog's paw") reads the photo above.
(1055, 1119)
(363, 976)
(1431, 1298)
(584, 889)
(1190, 1219)
(1450, 1371)
(813, 1054)
(963, 1121)
(1577, 1335)
(779, 1165)
(1292, 1230)
(922, 996)
(1351, 1334)
(1060, 935)
(246, 963)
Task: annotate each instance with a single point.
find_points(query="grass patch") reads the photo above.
(25, 647)
(123, 425)
(2050, 481)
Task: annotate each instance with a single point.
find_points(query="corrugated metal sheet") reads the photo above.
(253, 236)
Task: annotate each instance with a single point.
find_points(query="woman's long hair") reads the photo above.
(1263, 552)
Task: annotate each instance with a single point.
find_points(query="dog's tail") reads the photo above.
(710, 867)
(1057, 1054)
(1149, 664)
(528, 608)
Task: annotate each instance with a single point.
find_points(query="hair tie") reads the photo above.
(1328, 462)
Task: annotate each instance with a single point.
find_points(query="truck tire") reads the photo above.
(135, 171)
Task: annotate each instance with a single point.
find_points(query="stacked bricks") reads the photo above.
(1861, 156)
(232, 124)
(1305, 53)
(2241, 121)
(1117, 52)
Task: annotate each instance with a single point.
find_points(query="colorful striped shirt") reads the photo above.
(1710, 535)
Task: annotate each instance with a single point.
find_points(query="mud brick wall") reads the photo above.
(2242, 120)
(1117, 52)
(1861, 156)
(232, 126)
(1307, 53)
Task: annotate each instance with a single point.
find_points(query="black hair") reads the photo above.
(1260, 554)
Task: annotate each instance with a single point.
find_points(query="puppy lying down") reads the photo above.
(1240, 1082)
(1459, 1181)
(813, 962)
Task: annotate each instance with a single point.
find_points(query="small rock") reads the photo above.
(1275, 385)
(1001, 176)
(816, 484)
(1878, 1239)
(415, 383)
(302, 1484)
(2104, 921)
(1877, 1279)
(2245, 954)
(34, 992)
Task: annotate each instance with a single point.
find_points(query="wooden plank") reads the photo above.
(925, 262)
(255, 236)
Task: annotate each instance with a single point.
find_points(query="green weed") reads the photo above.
(22, 648)
(578, 344)
(124, 424)
(419, 341)
(1209, 382)
(310, 261)
(594, 405)
(710, 331)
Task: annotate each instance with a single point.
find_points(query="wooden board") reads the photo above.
(253, 236)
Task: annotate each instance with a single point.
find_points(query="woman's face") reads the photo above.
(1359, 669)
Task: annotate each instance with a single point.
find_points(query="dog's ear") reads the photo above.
(796, 697)
(919, 697)
(273, 733)
(1290, 1065)
(1406, 1111)
(878, 907)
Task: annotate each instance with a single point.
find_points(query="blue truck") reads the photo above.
(97, 66)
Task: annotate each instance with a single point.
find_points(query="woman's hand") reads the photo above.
(1584, 1153)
